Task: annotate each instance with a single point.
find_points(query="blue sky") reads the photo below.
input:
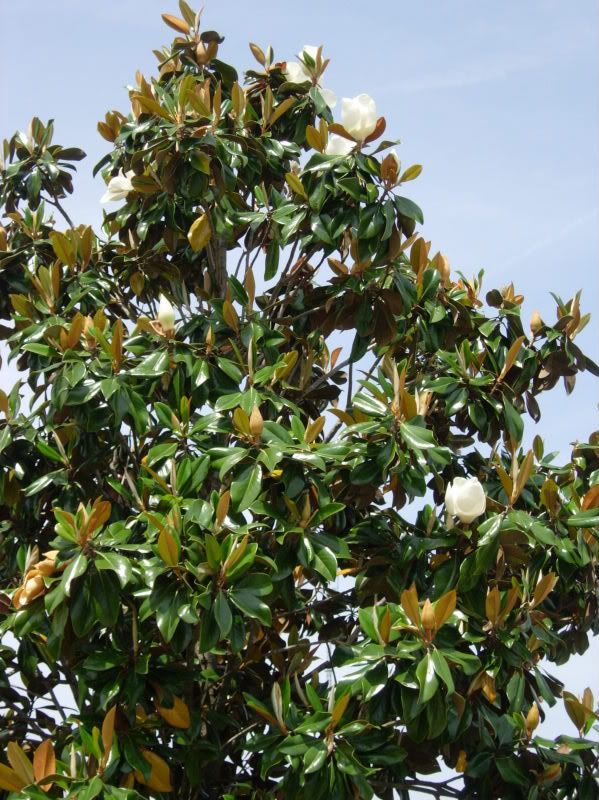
(498, 101)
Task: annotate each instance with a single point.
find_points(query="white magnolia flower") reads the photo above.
(298, 72)
(166, 314)
(118, 187)
(465, 498)
(295, 72)
(338, 145)
(358, 116)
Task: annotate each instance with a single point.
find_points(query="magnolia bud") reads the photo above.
(166, 315)
(532, 718)
(465, 498)
(536, 323)
(256, 422)
(390, 167)
(209, 339)
(33, 586)
(428, 616)
(442, 265)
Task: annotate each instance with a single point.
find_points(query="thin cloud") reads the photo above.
(548, 241)
(471, 75)
(487, 67)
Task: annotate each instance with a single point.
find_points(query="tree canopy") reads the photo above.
(269, 525)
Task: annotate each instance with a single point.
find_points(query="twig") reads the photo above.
(59, 208)
(350, 379)
(324, 378)
(240, 733)
(57, 705)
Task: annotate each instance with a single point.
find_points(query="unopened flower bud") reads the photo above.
(428, 616)
(166, 315)
(465, 498)
(532, 718)
(536, 323)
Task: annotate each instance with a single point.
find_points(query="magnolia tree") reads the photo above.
(268, 526)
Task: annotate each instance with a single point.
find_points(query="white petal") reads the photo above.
(296, 72)
(118, 187)
(473, 498)
(338, 146)
(350, 115)
(469, 499)
(328, 96)
(358, 116)
(466, 516)
(166, 314)
(112, 195)
(449, 500)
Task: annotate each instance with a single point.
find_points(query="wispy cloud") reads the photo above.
(477, 64)
(470, 75)
(563, 232)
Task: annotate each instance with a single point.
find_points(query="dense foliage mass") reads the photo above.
(227, 567)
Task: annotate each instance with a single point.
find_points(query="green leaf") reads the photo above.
(222, 613)
(92, 790)
(166, 603)
(351, 186)
(228, 401)
(213, 551)
(5, 438)
(409, 209)
(117, 563)
(251, 605)
(469, 662)
(58, 478)
(45, 450)
(427, 679)
(39, 349)
(314, 758)
(584, 519)
(246, 490)
(512, 771)
(104, 591)
(515, 692)
(369, 405)
(152, 366)
(416, 437)
(258, 584)
(236, 455)
(75, 569)
(272, 260)
(513, 421)
(161, 451)
(319, 229)
(325, 512)
(325, 563)
(442, 669)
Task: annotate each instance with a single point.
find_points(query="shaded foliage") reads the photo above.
(226, 540)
